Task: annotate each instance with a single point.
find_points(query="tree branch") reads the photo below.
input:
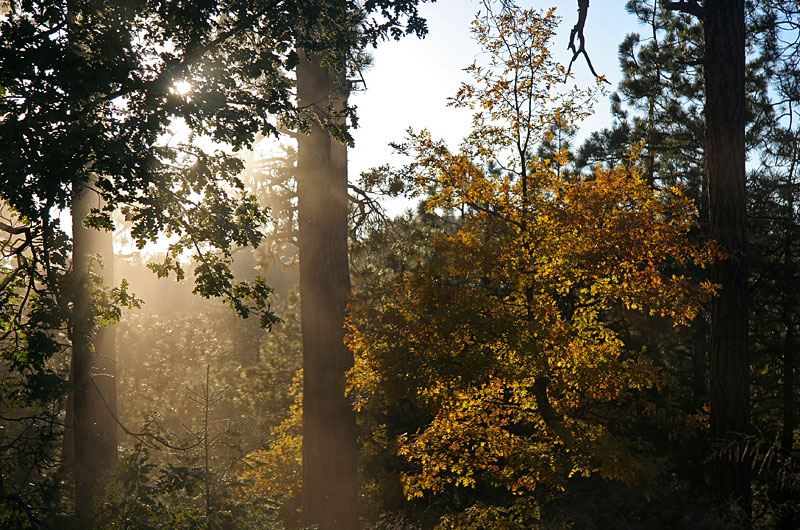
(14, 230)
(691, 7)
(138, 435)
(577, 30)
(16, 499)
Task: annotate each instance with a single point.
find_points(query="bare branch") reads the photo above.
(14, 230)
(577, 30)
(139, 435)
(16, 499)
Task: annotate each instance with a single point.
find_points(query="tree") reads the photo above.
(84, 88)
(723, 24)
(507, 339)
(90, 441)
(724, 73)
(772, 213)
(330, 490)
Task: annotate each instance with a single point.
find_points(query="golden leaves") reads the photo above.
(277, 468)
(508, 335)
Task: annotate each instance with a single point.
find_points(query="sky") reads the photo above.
(409, 81)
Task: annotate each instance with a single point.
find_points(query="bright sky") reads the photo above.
(410, 80)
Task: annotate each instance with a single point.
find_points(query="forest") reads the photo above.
(208, 320)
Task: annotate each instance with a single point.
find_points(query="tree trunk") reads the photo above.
(92, 433)
(788, 493)
(725, 159)
(330, 494)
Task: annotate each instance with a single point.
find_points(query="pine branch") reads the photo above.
(691, 7)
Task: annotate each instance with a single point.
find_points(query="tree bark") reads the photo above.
(91, 435)
(330, 493)
(725, 158)
(788, 494)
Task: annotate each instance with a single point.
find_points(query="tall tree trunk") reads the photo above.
(92, 432)
(725, 158)
(330, 493)
(788, 494)
(788, 489)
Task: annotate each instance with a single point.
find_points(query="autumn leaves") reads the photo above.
(509, 339)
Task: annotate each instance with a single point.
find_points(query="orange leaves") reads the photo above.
(507, 337)
(469, 437)
(515, 88)
(525, 291)
(621, 235)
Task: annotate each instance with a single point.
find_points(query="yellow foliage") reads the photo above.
(276, 470)
(504, 335)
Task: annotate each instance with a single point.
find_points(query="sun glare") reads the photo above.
(181, 88)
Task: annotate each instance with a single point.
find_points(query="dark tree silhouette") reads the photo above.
(724, 31)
